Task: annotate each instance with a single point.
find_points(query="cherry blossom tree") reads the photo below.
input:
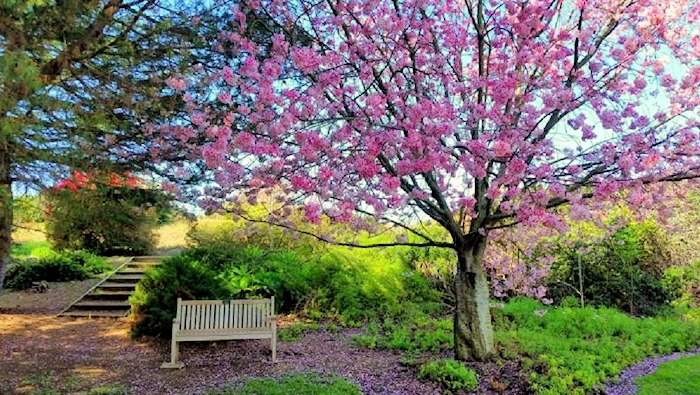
(476, 115)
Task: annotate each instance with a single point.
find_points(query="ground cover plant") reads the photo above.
(563, 350)
(451, 374)
(298, 384)
(574, 350)
(409, 333)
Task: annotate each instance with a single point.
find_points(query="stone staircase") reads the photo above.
(110, 297)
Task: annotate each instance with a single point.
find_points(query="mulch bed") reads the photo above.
(55, 299)
(99, 351)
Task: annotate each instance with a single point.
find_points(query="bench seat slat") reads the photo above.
(214, 337)
(222, 331)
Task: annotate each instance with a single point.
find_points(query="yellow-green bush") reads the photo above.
(337, 284)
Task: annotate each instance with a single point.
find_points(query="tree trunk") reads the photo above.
(5, 212)
(472, 321)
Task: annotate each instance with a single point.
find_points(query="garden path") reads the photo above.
(74, 355)
(626, 385)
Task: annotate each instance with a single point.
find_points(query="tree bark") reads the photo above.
(5, 212)
(473, 332)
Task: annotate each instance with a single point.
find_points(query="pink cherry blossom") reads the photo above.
(385, 112)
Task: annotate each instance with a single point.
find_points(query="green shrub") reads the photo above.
(297, 384)
(683, 283)
(624, 270)
(251, 272)
(350, 286)
(574, 350)
(91, 262)
(22, 275)
(353, 284)
(55, 267)
(103, 219)
(314, 277)
(154, 303)
(438, 265)
(29, 249)
(449, 373)
(367, 341)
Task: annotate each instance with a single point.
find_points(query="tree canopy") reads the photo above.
(78, 81)
(475, 114)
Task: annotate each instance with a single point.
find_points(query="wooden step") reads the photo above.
(153, 258)
(95, 314)
(117, 286)
(108, 295)
(132, 271)
(111, 298)
(101, 305)
(125, 278)
(141, 266)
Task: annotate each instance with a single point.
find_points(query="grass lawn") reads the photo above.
(679, 377)
(298, 384)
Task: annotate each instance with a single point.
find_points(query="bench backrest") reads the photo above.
(225, 315)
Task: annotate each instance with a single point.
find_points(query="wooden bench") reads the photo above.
(210, 320)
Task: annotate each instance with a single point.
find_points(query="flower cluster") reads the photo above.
(415, 110)
(80, 180)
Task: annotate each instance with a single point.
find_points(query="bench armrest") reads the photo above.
(176, 321)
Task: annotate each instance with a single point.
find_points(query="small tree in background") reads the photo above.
(104, 215)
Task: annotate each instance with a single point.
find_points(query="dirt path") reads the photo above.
(627, 386)
(74, 356)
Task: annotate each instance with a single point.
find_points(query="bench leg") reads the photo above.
(174, 354)
(273, 341)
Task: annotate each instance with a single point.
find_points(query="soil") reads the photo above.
(52, 301)
(75, 355)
